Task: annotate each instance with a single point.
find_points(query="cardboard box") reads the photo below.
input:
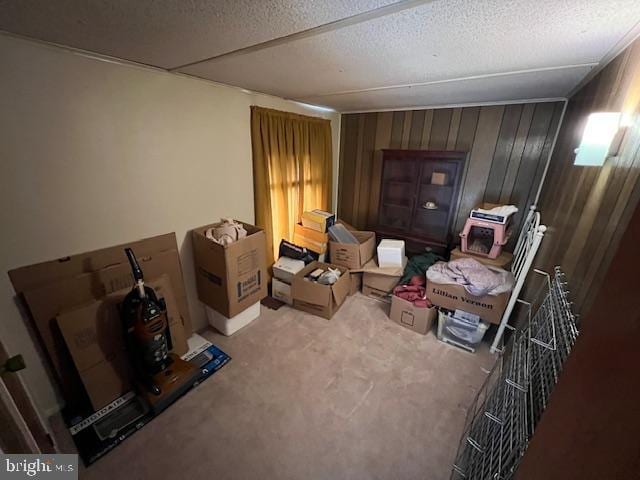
(285, 268)
(379, 282)
(418, 319)
(281, 291)
(439, 178)
(318, 220)
(34, 276)
(317, 299)
(310, 239)
(502, 261)
(94, 338)
(47, 301)
(311, 234)
(356, 282)
(351, 255)
(454, 297)
(230, 278)
(376, 293)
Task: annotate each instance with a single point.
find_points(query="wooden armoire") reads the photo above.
(419, 194)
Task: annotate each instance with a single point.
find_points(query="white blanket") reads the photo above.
(476, 278)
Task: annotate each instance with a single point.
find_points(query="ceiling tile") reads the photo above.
(170, 33)
(421, 43)
(533, 85)
(435, 41)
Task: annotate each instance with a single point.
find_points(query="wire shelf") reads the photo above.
(510, 403)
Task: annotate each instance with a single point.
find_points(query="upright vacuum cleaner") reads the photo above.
(161, 376)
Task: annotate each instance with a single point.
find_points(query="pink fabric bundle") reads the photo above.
(415, 294)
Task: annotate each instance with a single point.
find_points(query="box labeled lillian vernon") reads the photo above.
(454, 297)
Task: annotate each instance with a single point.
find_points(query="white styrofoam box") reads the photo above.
(391, 253)
(281, 291)
(228, 326)
(285, 268)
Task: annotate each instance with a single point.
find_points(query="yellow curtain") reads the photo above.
(292, 170)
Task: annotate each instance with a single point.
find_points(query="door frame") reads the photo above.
(21, 428)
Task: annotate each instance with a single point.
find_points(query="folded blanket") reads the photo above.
(476, 278)
(504, 210)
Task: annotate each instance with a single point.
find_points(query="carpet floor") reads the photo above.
(354, 397)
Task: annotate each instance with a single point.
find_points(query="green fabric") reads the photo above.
(418, 265)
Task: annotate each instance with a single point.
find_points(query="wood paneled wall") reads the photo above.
(588, 209)
(508, 148)
(590, 428)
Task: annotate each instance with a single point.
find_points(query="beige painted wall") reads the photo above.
(95, 153)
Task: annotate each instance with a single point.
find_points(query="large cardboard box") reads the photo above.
(46, 301)
(35, 276)
(502, 261)
(418, 319)
(230, 278)
(317, 299)
(454, 297)
(351, 255)
(94, 338)
(379, 282)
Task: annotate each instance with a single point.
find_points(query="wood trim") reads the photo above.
(30, 420)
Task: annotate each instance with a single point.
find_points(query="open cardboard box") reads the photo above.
(418, 319)
(318, 299)
(231, 278)
(454, 297)
(351, 255)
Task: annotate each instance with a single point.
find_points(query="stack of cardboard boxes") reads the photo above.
(380, 275)
(296, 283)
(312, 232)
(354, 256)
(284, 270)
(306, 293)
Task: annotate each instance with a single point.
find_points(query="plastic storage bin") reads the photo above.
(460, 332)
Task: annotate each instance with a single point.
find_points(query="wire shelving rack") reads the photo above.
(510, 403)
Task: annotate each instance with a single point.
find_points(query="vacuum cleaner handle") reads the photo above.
(137, 271)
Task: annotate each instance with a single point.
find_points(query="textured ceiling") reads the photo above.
(168, 33)
(349, 55)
